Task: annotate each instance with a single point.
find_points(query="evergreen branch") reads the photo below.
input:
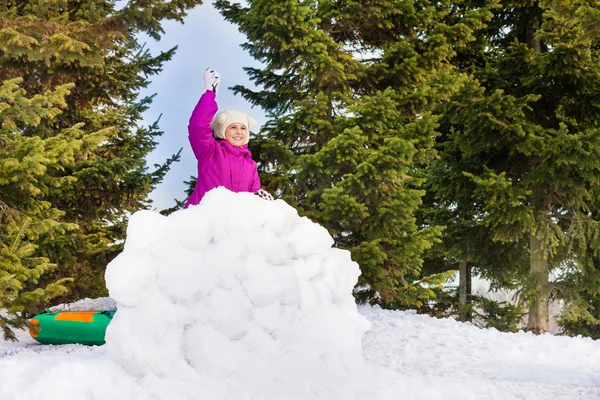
(20, 234)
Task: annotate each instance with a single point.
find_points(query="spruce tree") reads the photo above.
(350, 90)
(92, 45)
(524, 131)
(27, 164)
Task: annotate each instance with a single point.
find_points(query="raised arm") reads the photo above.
(199, 129)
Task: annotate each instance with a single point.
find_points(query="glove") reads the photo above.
(263, 194)
(211, 79)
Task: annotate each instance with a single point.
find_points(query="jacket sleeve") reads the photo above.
(199, 129)
(255, 186)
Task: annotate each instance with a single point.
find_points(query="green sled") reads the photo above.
(70, 327)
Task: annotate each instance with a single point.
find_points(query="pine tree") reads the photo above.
(26, 165)
(94, 46)
(525, 132)
(350, 91)
(467, 242)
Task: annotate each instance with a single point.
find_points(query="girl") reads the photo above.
(220, 145)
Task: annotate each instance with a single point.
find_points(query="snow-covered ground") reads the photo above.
(240, 298)
(408, 356)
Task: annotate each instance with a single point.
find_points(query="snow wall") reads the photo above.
(235, 292)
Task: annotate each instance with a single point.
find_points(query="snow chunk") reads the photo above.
(236, 289)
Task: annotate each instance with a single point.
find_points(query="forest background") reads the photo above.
(431, 139)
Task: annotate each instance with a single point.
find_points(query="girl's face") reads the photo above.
(236, 134)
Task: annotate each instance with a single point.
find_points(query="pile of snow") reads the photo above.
(238, 290)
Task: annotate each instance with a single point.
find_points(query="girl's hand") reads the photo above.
(211, 79)
(263, 194)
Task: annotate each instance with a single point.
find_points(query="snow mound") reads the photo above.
(236, 289)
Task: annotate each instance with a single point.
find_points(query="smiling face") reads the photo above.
(236, 134)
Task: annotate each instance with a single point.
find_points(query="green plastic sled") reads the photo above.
(69, 327)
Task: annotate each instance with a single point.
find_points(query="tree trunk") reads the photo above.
(469, 287)
(463, 277)
(538, 310)
(532, 41)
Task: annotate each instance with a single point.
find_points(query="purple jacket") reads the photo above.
(219, 162)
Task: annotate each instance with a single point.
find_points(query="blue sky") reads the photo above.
(205, 39)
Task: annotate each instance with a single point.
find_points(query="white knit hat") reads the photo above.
(225, 118)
